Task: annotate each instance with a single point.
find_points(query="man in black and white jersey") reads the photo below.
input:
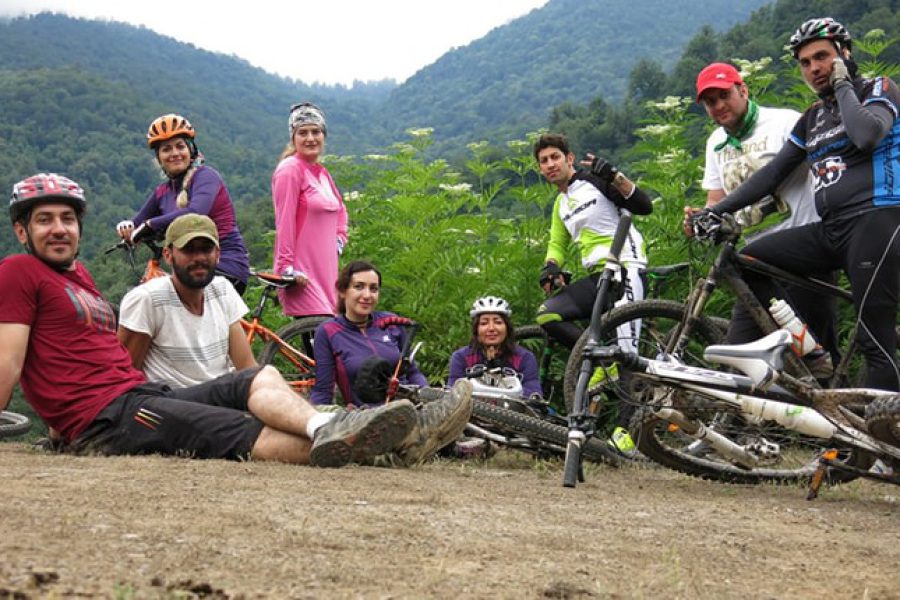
(850, 140)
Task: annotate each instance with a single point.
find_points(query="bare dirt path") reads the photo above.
(150, 527)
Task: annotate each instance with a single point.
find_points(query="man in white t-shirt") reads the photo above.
(185, 329)
(747, 138)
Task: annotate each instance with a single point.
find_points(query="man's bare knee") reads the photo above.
(267, 378)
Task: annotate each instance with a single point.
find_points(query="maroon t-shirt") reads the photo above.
(75, 365)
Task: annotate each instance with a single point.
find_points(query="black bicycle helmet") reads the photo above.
(822, 28)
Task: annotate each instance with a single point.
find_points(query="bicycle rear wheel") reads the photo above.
(13, 424)
(548, 436)
(785, 456)
(294, 358)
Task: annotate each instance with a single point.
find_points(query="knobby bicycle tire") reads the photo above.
(13, 424)
(299, 335)
(533, 428)
(658, 317)
(883, 420)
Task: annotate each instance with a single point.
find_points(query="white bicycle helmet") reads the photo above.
(490, 304)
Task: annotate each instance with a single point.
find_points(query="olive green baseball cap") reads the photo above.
(188, 227)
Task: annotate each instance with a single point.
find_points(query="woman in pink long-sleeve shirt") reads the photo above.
(310, 217)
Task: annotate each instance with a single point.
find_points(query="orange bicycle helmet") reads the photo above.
(168, 126)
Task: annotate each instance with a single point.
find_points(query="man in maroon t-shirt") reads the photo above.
(58, 339)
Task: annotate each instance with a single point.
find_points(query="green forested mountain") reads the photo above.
(567, 51)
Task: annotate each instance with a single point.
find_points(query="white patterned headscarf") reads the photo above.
(306, 113)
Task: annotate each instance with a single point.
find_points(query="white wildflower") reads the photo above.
(419, 131)
(457, 188)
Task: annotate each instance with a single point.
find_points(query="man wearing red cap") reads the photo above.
(747, 138)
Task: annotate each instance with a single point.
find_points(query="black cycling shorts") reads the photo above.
(209, 420)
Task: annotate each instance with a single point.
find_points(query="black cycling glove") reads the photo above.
(603, 169)
(549, 273)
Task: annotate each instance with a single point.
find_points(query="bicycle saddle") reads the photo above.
(761, 360)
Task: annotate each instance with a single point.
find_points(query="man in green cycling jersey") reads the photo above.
(586, 212)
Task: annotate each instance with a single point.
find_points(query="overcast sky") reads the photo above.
(329, 41)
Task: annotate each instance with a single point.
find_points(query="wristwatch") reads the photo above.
(619, 179)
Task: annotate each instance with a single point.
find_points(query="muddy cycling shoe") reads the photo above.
(438, 423)
(361, 435)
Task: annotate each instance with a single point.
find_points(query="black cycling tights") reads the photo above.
(867, 248)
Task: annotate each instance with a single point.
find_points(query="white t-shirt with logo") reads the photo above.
(727, 168)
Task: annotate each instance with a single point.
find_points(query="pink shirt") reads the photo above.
(310, 217)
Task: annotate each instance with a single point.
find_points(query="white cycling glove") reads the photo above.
(839, 72)
(121, 226)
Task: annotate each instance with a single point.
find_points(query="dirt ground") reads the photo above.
(151, 527)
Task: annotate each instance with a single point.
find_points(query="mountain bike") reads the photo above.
(765, 425)
(13, 424)
(289, 349)
(683, 330)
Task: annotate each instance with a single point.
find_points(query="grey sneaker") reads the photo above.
(819, 364)
(438, 423)
(361, 435)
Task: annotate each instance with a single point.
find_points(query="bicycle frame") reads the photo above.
(726, 269)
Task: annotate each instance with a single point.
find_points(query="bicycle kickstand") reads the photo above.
(815, 481)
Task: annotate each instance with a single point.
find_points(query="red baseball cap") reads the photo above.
(719, 76)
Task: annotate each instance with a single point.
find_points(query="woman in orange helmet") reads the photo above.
(191, 188)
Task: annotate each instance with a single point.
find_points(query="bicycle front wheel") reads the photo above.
(648, 327)
(293, 355)
(13, 424)
(548, 435)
